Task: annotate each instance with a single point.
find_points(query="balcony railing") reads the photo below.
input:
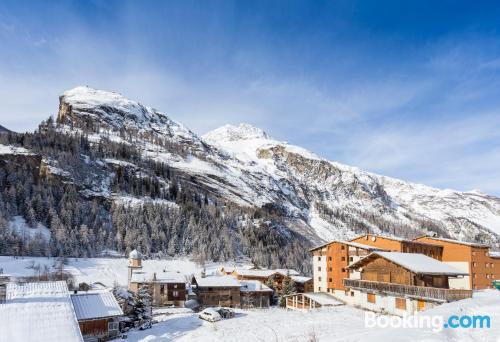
(423, 292)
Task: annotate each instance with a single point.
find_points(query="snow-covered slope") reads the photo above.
(317, 198)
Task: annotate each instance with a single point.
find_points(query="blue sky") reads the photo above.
(405, 89)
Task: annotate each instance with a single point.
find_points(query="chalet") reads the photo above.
(302, 284)
(254, 294)
(274, 278)
(35, 312)
(400, 283)
(165, 288)
(475, 259)
(217, 291)
(310, 301)
(98, 314)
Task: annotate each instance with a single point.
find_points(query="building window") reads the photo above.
(400, 303)
(162, 290)
(175, 293)
(319, 268)
(342, 247)
(370, 297)
(343, 270)
(343, 259)
(330, 269)
(351, 259)
(319, 278)
(112, 326)
(330, 280)
(319, 258)
(329, 258)
(175, 286)
(319, 288)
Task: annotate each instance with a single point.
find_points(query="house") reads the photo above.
(476, 259)
(97, 313)
(254, 294)
(165, 288)
(274, 278)
(401, 283)
(38, 312)
(302, 284)
(310, 300)
(217, 291)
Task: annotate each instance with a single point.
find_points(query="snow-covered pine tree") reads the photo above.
(288, 289)
(142, 309)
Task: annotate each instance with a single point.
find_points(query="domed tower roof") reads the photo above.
(135, 255)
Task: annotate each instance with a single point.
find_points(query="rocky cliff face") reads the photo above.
(314, 197)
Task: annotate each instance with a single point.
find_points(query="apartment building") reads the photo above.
(395, 244)
(330, 263)
(482, 265)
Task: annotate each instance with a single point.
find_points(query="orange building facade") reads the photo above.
(471, 257)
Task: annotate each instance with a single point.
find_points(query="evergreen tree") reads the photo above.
(142, 304)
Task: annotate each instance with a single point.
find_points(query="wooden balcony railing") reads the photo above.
(435, 293)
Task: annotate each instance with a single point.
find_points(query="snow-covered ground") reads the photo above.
(342, 323)
(103, 270)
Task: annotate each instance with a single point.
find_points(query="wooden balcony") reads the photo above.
(432, 293)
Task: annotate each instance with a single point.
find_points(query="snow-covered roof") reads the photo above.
(494, 254)
(415, 262)
(350, 243)
(471, 244)
(264, 273)
(323, 298)
(9, 149)
(286, 271)
(161, 277)
(135, 255)
(93, 305)
(255, 273)
(38, 312)
(217, 281)
(254, 286)
(300, 279)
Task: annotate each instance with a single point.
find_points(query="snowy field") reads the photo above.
(342, 323)
(103, 270)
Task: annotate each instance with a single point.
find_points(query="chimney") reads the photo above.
(75, 291)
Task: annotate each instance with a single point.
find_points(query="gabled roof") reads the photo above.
(300, 279)
(161, 277)
(94, 305)
(286, 271)
(254, 286)
(255, 273)
(415, 262)
(465, 243)
(38, 312)
(217, 281)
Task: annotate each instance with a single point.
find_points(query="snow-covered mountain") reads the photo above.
(312, 196)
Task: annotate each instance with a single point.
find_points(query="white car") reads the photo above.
(210, 315)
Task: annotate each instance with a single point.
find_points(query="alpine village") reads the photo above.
(113, 215)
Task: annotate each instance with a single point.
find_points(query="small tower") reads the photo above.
(134, 263)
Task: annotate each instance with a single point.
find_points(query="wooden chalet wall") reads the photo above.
(383, 270)
(218, 296)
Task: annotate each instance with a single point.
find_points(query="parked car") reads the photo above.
(226, 312)
(210, 314)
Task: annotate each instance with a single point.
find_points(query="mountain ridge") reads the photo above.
(133, 156)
